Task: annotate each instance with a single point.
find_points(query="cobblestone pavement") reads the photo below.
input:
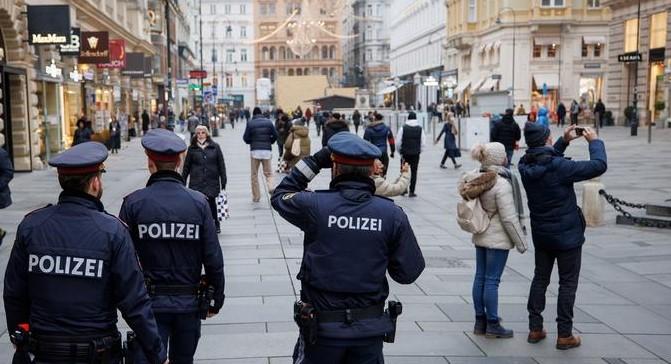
(623, 308)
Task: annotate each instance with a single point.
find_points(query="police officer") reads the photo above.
(352, 237)
(174, 234)
(72, 265)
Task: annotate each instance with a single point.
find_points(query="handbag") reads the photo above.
(296, 147)
(222, 206)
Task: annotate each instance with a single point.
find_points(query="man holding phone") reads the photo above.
(557, 223)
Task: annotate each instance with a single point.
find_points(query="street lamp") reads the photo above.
(498, 21)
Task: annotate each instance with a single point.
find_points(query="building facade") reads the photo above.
(366, 46)
(275, 26)
(228, 50)
(541, 51)
(647, 81)
(417, 37)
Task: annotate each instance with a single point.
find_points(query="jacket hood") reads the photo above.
(476, 183)
(300, 130)
(375, 123)
(536, 162)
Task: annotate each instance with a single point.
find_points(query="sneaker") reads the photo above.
(495, 330)
(536, 336)
(443, 166)
(565, 343)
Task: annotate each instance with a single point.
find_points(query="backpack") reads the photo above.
(471, 217)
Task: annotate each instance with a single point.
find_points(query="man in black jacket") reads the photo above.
(507, 132)
(411, 140)
(333, 127)
(260, 134)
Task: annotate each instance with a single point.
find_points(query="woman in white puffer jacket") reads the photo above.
(493, 185)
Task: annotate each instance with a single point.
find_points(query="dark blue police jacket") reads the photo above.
(174, 235)
(557, 223)
(71, 267)
(352, 237)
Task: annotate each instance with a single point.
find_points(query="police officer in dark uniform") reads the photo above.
(175, 236)
(71, 267)
(352, 237)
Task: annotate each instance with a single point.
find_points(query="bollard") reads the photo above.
(592, 202)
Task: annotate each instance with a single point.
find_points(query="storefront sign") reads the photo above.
(117, 52)
(592, 65)
(72, 48)
(182, 82)
(89, 75)
(48, 24)
(496, 76)
(134, 65)
(95, 48)
(630, 57)
(53, 70)
(76, 76)
(656, 55)
(198, 74)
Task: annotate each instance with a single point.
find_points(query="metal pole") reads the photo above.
(166, 95)
(202, 90)
(561, 27)
(513, 63)
(47, 147)
(634, 122)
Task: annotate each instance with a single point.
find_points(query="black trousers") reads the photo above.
(212, 201)
(341, 354)
(445, 156)
(180, 333)
(568, 264)
(574, 119)
(384, 158)
(413, 161)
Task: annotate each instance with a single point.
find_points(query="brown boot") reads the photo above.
(565, 343)
(536, 336)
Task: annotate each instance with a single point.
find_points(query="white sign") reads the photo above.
(76, 76)
(54, 71)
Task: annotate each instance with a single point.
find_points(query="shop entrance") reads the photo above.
(13, 111)
(656, 93)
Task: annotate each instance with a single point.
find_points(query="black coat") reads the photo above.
(206, 167)
(115, 135)
(332, 128)
(506, 132)
(561, 110)
(6, 175)
(82, 135)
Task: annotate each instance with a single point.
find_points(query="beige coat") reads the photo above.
(388, 189)
(496, 196)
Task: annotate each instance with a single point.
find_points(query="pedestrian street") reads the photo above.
(623, 304)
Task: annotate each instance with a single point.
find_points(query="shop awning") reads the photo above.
(489, 85)
(387, 90)
(550, 79)
(594, 39)
(546, 41)
(462, 86)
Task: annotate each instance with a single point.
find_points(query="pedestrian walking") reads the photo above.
(599, 111)
(145, 121)
(297, 141)
(173, 259)
(205, 168)
(320, 119)
(557, 223)
(283, 126)
(192, 122)
(82, 134)
(561, 114)
(356, 120)
(385, 188)
(543, 117)
(71, 268)
(411, 142)
(6, 175)
(508, 133)
(492, 185)
(575, 111)
(341, 312)
(450, 143)
(308, 116)
(332, 127)
(115, 135)
(379, 134)
(468, 108)
(260, 134)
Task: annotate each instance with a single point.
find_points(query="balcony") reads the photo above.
(459, 41)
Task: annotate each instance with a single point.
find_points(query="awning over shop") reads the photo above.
(462, 86)
(546, 41)
(594, 39)
(387, 90)
(489, 85)
(550, 79)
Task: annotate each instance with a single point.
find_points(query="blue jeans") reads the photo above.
(489, 268)
(509, 154)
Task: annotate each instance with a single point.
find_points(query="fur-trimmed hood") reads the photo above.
(476, 183)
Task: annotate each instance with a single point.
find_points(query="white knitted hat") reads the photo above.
(490, 154)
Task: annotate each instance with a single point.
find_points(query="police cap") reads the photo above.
(163, 145)
(82, 159)
(348, 148)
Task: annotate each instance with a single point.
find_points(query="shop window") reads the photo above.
(630, 35)
(658, 30)
(537, 51)
(584, 50)
(552, 51)
(597, 49)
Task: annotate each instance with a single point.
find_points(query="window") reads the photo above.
(229, 32)
(378, 10)
(265, 73)
(264, 54)
(552, 51)
(369, 32)
(584, 50)
(272, 75)
(593, 3)
(291, 72)
(537, 51)
(597, 49)
(332, 52)
(272, 53)
(283, 53)
(243, 31)
(243, 80)
(271, 9)
(472, 11)
(630, 35)
(552, 3)
(229, 55)
(325, 72)
(299, 72)
(229, 80)
(227, 9)
(213, 9)
(243, 9)
(658, 30)
(243, 55)
(369, 55)
(369, 10)
(325, 52)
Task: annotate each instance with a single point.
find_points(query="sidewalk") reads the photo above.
(623, 308)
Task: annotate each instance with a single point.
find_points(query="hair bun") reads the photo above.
(478, 152)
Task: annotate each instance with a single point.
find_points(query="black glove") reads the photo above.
(323, 158)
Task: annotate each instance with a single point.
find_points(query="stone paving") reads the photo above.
(623, 308)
